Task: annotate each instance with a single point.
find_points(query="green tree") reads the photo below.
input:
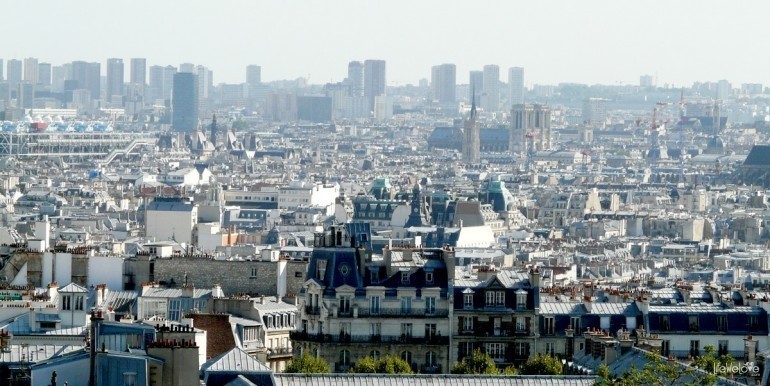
(710, 360)
(659, 372)
(477, 363)
(510, 370)
(308, 364)
(365, 366)
(542, 365)
(384, 365)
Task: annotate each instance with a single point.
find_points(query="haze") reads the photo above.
(610, 42)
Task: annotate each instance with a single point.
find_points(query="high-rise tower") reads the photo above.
(515, 86)
(115, 76)
(184, 102)
(444, 82)
(490, 99)
(374, 80)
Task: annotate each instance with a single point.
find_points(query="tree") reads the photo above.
(308, 364)
(477, 363)
(385, 365)
(710, 361)
(657, 372)
(542, 365)
(510, 370)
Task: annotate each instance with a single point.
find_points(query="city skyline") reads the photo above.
(601, 41)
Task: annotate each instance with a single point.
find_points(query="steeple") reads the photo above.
(473, 102)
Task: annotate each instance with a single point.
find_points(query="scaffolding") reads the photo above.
(68, 145)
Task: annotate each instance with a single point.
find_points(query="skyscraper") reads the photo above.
(26, 95)
(115, 78)
(138, 71)
(30, 70)
(355, 79)
(156, 82)
(490, 99)
(444, 82)
(168, 80)
(515, 86)
(58, 76)
(187, 67)
(14, 72)
(374, 80)
(475, 86)
(88, 77)
(184, 102)
(44, 74)
(471, 138)
(253, 74)
(2, 73)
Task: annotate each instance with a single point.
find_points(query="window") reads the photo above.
(430, 330)
(604, 322)
(406, 305)
(406, 330)
(496, 351)
(430, 305)
(374, 305)
(468, 301)
(722, 323)
(47, 325)
(375, 354)
(253, 273)
(548, 323)
(521, 324)
(694, 325)
(550, 348)
(297, 274)
(320, 269)
(694, 348)
(495, 298)
(752, 321)
(304, 326)
(664, 323)
(344, 304)
(429, 277)
(375, 276)
(521, 349)
(375, 329)
(467, 324)
(66, 303)
(722, 350)
(174, 309)
(78, 303)
(465, 349)
(344, 358)
(521, 300)
(431, 359)
(405, 277)
(344, 331)
(129, 379)
(575, 322)
(406, 356)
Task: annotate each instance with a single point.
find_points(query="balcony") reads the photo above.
(340, 367)
(369, 339)
(401, 313)
(279, 352)
(312, 310)
(509, 332)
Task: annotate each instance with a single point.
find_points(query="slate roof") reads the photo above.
(235, 360)
(73, 288)
(759, 156)
(427, 380)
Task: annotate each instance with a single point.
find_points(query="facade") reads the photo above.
(14, 72)
(253, 74)
(490, 98)
(353, 307)
(595, 112)
(88, 77)
(515, 86)
(171, 219)
(44, 74)
(115, 78)
(185, 102)
(444, 82)
(355, 80)
(31, 70)
(530, 129)
(138, 71)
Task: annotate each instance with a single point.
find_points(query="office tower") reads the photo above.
(724, 88)
(476, 86)
(26, 95)
(138, 71)
(115, 78)
(471, 138)
(205, 81)
(253, 74)
(645, 81)
(355, 79)
(30, 70)
(88, 77)
(444, 82)
(187, 67)
(168, 80)
(14, 72)
(374, 80)
(515, 86)
(156, 82)
(595, 111)
(490, 99)
(184, 102)
(58, 76)
(2, 73)
(530, 129)
(44, 74)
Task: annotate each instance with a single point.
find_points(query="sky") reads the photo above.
(580, 41)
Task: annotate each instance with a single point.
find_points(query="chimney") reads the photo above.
(53, 291)
(217, 292)
(96, 323)
(188, 290)
(262, 300)
(587, 303)
(101, 294)
(610, 352)
(750, 349)
(33, 319)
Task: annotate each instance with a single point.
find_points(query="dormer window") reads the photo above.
(79, 303)
(429, 277)
(405, 277)
(468, 301)
(66, 303)
(321, 269)
(521, 299)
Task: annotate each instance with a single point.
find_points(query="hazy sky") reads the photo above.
(584, 41)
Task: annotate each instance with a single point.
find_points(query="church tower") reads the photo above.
(471, 141)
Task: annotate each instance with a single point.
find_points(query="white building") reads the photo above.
(171, 219)
(299, 193)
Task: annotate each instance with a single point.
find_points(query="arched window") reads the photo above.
(375, 354)
(406, 356)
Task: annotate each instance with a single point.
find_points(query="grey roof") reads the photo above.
(426, 380)
(705, 308)
(42, 352)
(235, 360)
(158, 292)
(73, 288)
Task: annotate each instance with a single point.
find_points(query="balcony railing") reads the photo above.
(279, 352)
(312, 310)
(402, 313)
(435, 369)
(375, 339)
(503, 333)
